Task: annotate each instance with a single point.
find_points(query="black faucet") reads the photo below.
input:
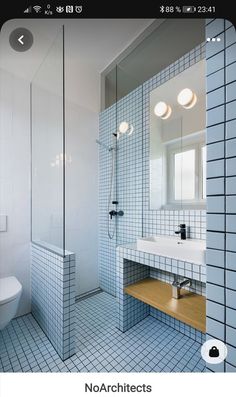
(182, 231)
(115, 213)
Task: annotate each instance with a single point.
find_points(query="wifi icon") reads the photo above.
(37, 9)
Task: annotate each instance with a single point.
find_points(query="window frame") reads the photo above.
(175, 148)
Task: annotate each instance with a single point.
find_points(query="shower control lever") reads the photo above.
(115, 213)
(120, 213)
(112, 213)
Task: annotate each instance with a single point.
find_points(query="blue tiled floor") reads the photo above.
(150, 346)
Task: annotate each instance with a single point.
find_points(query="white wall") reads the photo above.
(15, 182)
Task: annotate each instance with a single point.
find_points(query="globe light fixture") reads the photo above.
(187, 98)
(162, 110)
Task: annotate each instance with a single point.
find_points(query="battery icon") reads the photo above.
(189, 9)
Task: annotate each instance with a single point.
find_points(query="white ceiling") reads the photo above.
(94, 41)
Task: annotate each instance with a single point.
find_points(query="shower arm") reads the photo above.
(109, 148)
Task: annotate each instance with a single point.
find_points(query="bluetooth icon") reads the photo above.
(162, 9)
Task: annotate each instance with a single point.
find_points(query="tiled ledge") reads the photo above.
(53, 249)
(185, 269)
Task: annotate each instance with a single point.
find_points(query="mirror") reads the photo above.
(177, 141)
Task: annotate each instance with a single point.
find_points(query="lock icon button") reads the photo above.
(214, 352)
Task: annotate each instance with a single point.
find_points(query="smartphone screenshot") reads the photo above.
(117, 198)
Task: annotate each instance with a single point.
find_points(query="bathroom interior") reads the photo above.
(118, 196)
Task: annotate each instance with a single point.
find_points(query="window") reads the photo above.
(186, 167)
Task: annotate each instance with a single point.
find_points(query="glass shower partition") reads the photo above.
(48, 137)
(53, 268)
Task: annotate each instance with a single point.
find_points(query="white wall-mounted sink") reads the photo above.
(189, 250)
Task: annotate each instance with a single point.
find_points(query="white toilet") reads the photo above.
(10, 293)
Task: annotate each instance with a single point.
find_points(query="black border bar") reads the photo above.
(117, 9)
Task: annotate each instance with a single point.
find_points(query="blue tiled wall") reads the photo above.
(133, 175)
(221, 189)
(53, 297)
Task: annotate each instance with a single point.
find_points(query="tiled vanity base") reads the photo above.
(185, 329)
(133, 266)
(53, 296)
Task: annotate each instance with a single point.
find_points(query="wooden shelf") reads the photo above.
(190, 308)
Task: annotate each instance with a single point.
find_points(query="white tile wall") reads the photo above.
(53, 297)
(221, 231)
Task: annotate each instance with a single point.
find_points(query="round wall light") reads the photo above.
(162, 110)
(125, 128)
(187, 98)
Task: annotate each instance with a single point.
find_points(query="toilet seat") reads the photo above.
(10, 288)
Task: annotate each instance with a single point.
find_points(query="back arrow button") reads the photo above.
(20, 39)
